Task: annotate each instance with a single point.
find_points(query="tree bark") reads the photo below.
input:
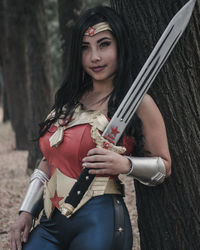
(69, 12)
(40, 79)
(3, 97)
(13, 67)
(169, 214)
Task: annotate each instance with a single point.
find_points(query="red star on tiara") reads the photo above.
(91, 31)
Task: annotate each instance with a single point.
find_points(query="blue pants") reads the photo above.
(90, 228)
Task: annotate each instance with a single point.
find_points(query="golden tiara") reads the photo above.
(99, 27)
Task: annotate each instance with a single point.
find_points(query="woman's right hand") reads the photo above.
(20, 230)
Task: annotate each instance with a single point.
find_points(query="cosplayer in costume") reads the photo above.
(101, 220)
(64, 147)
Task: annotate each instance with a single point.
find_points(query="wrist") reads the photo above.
(127, 166)
(25, 214)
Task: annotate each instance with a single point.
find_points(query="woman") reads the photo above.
(70, 140)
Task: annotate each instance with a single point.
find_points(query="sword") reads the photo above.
(134, 96)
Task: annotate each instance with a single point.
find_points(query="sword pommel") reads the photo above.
(67, 209)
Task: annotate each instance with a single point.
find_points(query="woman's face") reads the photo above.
(99, 56)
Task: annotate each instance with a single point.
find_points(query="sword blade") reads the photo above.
(149, 71)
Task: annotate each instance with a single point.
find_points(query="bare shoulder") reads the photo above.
(148, 109)
(146, 101)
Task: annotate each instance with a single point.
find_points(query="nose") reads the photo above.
(95, 56)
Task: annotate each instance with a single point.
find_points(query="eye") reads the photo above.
(84, 47)
(105, 44)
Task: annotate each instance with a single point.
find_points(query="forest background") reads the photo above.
(34, 47)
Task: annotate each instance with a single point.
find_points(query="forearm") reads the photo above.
(33, 201)
(155, 137)
(149, 171)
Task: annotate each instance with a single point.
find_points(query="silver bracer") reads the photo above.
(33, 201)
(149, 171)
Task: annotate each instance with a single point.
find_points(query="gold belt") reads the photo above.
(58, 187)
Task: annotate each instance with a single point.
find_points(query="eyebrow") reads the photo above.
(100, 40)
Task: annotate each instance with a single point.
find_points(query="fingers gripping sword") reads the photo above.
(134, 96)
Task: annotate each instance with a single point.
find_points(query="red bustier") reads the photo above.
(67, 156)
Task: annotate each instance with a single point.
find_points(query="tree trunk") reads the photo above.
(3, 94)
(40, 80)
(169, 215)
(3, 97)
(68, 14)
(13, 67)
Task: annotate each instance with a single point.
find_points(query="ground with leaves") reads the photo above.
(14, 181)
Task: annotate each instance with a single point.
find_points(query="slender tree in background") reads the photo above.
(169, 215)
(13, 66)
(39, 81)
(26, 70)
(68, 14)
(54, 42)
(3, 97)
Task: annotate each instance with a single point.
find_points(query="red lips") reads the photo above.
(98, 68)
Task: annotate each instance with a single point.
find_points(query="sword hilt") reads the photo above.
(79, 188)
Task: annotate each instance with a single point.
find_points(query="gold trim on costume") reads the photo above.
(62, 184)
(99, 27)
(98, 122)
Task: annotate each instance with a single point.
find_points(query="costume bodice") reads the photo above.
(64, 147)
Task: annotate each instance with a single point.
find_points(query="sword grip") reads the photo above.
(80, 187)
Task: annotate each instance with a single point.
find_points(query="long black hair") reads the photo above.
(75, 85)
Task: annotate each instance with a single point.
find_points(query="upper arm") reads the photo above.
(44, 166)
(154, 131)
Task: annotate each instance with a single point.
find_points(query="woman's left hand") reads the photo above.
(103, 161)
